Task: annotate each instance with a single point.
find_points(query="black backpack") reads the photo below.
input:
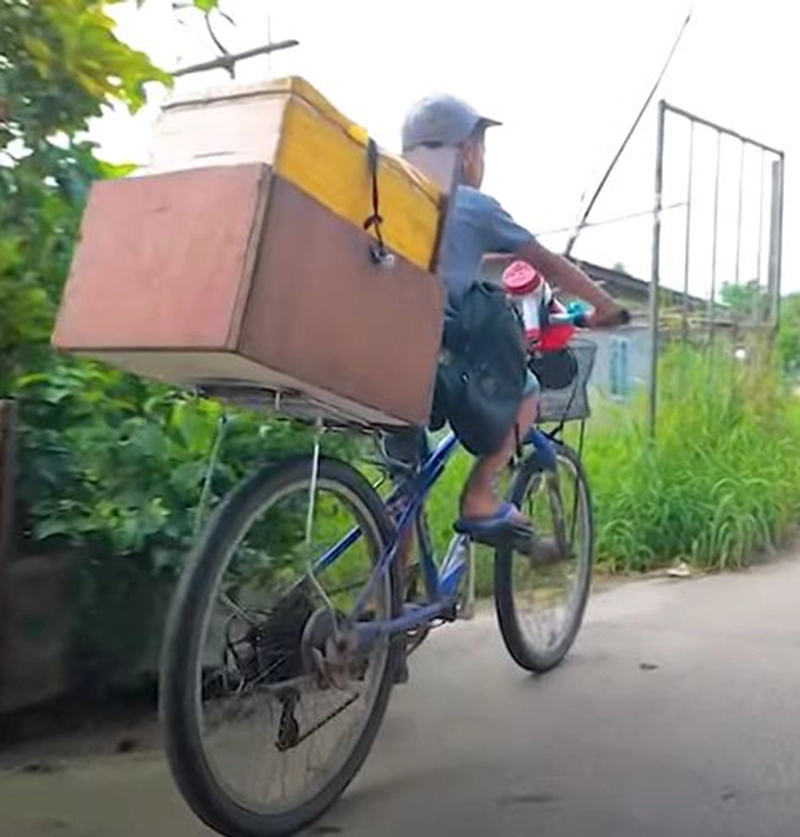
(482, 369)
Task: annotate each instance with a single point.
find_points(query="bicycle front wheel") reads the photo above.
(540, 603)
(262, 732)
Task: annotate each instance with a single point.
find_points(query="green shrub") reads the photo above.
(113, 464)
(720, 482)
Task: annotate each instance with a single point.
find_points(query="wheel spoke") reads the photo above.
(541, 603)
(284, 698)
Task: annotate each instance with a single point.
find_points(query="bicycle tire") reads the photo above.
(513, 635)
(183, 636)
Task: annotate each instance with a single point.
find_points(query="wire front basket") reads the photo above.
(564, 379)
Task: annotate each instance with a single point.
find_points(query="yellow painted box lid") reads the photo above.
(290, 125)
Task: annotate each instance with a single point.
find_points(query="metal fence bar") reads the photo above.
(764, 315)
(775, 241)
(714, 234)
(727, 131)
(688, 237)
(655, 271)
(757, 312)
(737, 273)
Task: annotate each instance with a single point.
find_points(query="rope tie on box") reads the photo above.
(380, 255)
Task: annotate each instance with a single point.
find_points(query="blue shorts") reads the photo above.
(409, 445)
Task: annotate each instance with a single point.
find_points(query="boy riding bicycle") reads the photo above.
(477, 227)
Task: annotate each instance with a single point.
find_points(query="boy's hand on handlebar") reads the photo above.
(608, 316)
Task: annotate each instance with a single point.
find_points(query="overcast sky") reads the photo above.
(565, 76)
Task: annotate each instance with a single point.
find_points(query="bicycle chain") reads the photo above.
(295, 739)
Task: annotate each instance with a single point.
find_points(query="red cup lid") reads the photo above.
(519, 278)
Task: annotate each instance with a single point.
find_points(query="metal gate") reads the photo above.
(762, 290)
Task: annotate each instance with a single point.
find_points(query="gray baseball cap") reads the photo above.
(441, 119)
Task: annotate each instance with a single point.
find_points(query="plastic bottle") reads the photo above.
(530, 291)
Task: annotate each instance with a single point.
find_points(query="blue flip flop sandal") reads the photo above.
(503, 528)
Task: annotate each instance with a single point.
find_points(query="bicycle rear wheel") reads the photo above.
(262, 734)
(540, 603)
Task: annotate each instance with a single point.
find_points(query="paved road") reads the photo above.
(677, 714)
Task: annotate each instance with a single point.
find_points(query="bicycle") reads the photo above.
(344, 613)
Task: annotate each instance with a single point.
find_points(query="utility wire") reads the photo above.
(585, 214)
(614, 220)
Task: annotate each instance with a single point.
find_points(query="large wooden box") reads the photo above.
(238, 261)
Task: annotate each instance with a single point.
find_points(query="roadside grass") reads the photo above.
(721, 481)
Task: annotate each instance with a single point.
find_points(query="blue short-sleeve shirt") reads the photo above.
(479, 226)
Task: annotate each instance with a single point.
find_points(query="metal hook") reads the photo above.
(212, 464)
(382, 257)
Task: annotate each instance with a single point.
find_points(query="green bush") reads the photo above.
(114, 464)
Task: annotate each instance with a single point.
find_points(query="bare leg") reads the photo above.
(478, 498)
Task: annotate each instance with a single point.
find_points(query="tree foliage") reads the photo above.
(744, 299)
(118, 464)
(108, 462)
(60, 64)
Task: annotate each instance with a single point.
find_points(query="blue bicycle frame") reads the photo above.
(442, 583)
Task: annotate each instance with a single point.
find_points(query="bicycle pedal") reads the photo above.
(466, 610)
(450, 614)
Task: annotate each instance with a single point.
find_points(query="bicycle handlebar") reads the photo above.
(580, 319)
